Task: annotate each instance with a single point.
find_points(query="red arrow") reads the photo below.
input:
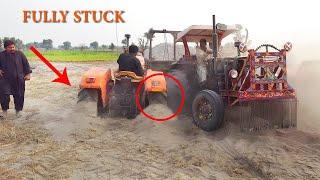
(62, 78)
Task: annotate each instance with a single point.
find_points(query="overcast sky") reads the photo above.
(268, 21)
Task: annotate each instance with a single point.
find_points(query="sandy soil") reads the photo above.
(56, 138)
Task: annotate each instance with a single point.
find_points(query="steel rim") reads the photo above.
(204, 110)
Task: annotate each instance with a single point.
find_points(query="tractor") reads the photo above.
(250, 87)
(114, 91)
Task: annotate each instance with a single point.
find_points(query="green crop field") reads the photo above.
(74, 55)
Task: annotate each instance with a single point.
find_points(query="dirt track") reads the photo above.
(59, 139)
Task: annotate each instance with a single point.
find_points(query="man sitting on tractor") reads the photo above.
(129, 62)
(203, 55)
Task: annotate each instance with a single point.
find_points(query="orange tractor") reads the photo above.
(114, 91)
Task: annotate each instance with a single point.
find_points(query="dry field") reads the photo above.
(56, 138)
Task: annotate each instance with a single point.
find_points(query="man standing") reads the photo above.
(14, 71)
(129, 62)
(203, 54)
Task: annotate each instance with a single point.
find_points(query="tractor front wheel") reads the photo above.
(207, 110)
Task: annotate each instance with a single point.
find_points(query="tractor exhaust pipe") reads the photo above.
(214, 45)
(214, 38)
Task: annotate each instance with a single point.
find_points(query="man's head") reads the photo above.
(9, 46)
(125, 50)
(133, 49)
(203, 43)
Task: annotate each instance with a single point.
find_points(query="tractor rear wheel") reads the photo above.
(134, 111)
(101, 110)
(207, 110)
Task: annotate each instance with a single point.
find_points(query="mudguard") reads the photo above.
(155, 83)
(97, 78)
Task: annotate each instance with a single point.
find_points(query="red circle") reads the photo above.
(137, 97)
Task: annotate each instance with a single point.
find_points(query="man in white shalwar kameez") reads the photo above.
(203, 54)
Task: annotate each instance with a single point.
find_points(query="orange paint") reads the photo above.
(102, 77)
(156, 83)
(79, 16)
(98, 78)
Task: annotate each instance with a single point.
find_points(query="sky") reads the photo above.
(268, 21)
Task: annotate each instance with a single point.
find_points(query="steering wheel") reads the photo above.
(266, 46)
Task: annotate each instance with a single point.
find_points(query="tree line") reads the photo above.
(47, 44)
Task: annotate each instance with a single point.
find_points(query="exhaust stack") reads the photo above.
(214, 38)
(213, 65)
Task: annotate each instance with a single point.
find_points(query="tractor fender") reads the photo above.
(97, 78)
(156, 83)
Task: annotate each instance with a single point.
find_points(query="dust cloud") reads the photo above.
(190, 88)
(56, 138)
(306, 83)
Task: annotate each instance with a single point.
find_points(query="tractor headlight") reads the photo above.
(288, 46)
(242, 47)
(233, 73)
(90, 79)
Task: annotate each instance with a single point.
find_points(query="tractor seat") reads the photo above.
(129, 74)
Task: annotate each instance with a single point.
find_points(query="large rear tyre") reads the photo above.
(133, 108)
(101, 110)
(208, 110)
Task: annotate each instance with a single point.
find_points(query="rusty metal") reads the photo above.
(214, 38)
(186, 47)
(205, 110)
(265, 95)
(269, 86)
(269, 114)
(265, 101)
